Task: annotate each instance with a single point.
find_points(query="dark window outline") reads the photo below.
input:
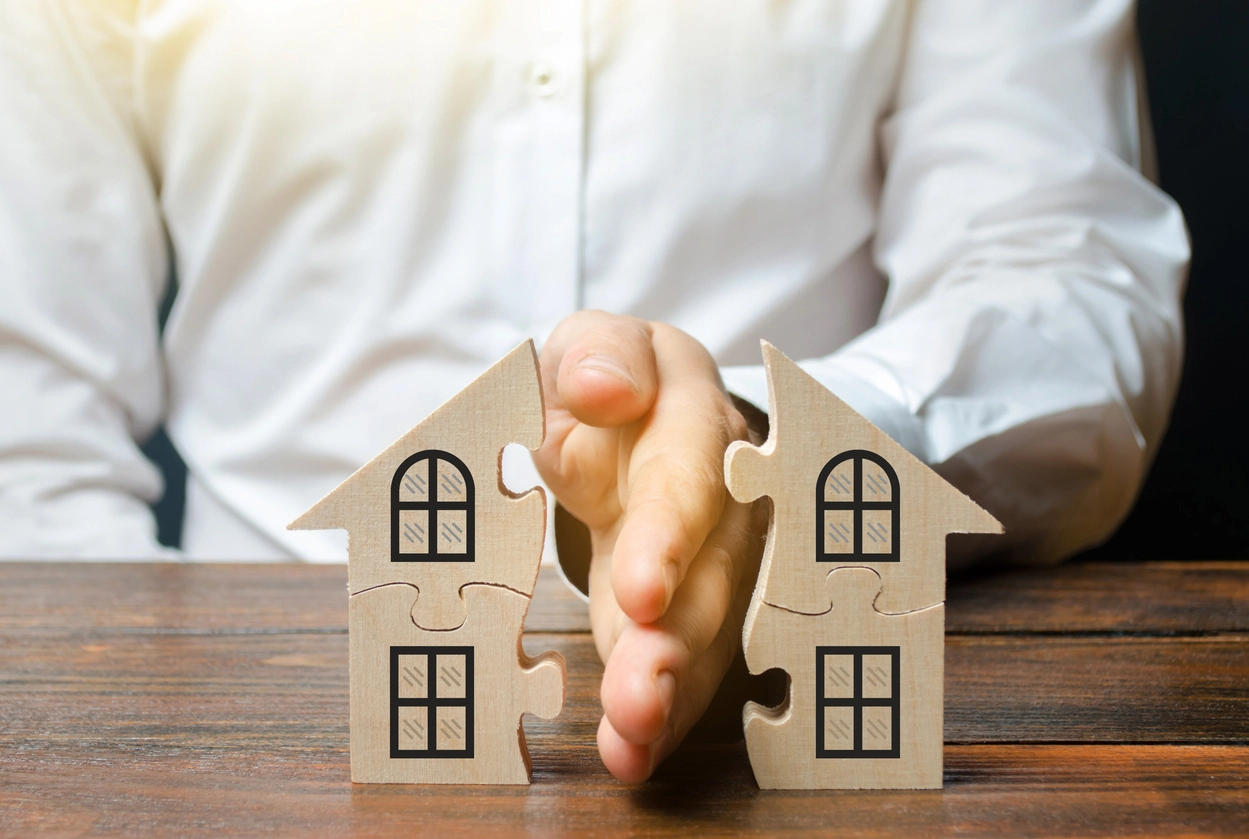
(433, 505)
(431, 702)
(858, 505)
(858, 702)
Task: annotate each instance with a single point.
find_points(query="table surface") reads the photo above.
(1090, 699)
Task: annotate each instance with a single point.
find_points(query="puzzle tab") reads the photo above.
(431, 509)
(843, 494)
(442, 561)
(439, 706)
(865, 707)
(859, 523)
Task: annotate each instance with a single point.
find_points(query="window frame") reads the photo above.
(858, 505)
(431, 702)
(858, 702)
(433, 505)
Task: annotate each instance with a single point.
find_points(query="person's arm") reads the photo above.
(1031, 341)
(1029, 347)
(83, 265)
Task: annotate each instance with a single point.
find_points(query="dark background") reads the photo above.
(1195, 504)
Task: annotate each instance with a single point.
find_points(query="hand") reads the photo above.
(637, 422)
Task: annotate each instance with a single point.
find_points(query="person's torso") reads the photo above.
(371, 201)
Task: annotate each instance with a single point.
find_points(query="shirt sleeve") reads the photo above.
(1030, 343)
(83, 264)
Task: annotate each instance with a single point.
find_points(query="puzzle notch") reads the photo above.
(866, 696)
(444, 706)
(442, 561)
(844, 494)
(432, 510)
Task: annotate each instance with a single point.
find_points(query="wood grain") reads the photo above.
(431, 510)
(225, 713)
(991, 791)
(844, 494)
(216, 597)
(1111, 597)
(187, 688)
(1102, 597)
(784, 743)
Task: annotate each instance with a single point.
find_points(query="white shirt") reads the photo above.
(937, 205)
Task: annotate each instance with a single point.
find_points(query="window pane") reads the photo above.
(877, 531)
(413, 532)
(876, 484)
(413, 733)
(452, 531)
(838, 676)
(413, 680)
(877, 728)
(452, 676)
(451, 484)
(452, 728)
(878, 676)
(415, 483)
(840, 483)
(838, 531)
(838, 728)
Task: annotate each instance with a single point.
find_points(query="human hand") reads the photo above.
(637, 423)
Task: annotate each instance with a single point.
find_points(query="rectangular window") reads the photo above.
(431, 702)
(857, 708)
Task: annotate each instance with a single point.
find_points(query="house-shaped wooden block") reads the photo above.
(844, 494)
(445, 706)
(431, 510)
(850, 594)
(865, 707)
(442, 562)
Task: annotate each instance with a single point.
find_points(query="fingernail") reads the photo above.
(666, 685)
(671, 580)
(607, 364)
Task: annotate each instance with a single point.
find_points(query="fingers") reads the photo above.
(660, 677)
(598, 372)
(635, 762)
(675, 484)
(601, 368)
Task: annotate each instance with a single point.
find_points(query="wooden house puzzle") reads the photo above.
(442, 563)
(850, 597)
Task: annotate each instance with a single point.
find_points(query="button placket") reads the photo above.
(539, 161)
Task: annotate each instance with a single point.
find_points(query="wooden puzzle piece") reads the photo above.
(432, 510)
(444, 706)
(866, 693)
(844, 494)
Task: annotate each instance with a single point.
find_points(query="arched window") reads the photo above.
(856, 509)
(431, 509)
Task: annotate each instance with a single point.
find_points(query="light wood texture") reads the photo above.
(442, 559)
(478, 672)
(212, 700)
(851, 510)
(505, 533)
(809, 428)
(864, 709)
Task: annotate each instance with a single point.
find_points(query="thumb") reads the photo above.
(600, 368)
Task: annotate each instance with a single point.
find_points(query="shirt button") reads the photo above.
(543, 79)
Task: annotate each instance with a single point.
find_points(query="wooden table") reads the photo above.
(212, 699)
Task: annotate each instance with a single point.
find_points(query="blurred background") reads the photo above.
(1195, 504)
